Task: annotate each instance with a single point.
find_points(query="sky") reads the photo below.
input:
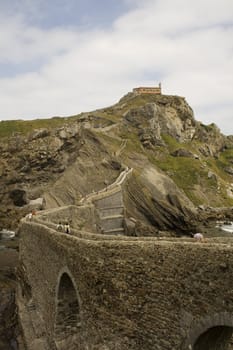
(60, 58)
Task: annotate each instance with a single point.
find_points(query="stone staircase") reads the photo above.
(109, 205)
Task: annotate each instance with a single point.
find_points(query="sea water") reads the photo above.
(5, 237)
(6, 234)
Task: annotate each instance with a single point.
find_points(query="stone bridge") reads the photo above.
(90, 291)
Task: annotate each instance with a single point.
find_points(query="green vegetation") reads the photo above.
(139, 100)
(225, 158)
(188, 174)
(108, 114)
(133, 142)
(219, 164)
(11, 127)
(191, 174)
(171, 142)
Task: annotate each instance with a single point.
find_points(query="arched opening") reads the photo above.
(68, 322)
(216, 338)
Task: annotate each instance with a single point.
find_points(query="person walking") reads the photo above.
(67, 228)
(60, 226)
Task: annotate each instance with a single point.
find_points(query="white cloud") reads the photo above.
(22, 43)
(188, 43)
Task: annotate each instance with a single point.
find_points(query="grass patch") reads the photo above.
(225, 158)
(11, 127)
(188, 174)
(218, 165)
(171, 143)
(133, 143)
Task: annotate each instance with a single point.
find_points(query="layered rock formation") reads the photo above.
(171, 153)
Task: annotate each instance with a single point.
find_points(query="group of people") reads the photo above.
(66, 227)
(63, 228)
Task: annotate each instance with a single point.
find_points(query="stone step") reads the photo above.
(112, 217)
(111, 207)
(110, 212)
(112, 223)
(115, 231)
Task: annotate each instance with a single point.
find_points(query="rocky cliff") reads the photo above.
(179, 163)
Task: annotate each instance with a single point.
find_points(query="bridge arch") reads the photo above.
(211, 333)
(67, 311)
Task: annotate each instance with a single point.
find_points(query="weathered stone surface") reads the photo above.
(130, 227)
(229, 170)
(183, 153)
(9, 330)
(39, 133)
(213, 140)
(212, 175)
(37, 203)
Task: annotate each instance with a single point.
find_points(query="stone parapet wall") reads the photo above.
(133, 292)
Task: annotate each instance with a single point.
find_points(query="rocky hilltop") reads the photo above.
(183, 169)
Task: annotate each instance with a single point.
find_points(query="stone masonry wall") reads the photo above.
(135, 294)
